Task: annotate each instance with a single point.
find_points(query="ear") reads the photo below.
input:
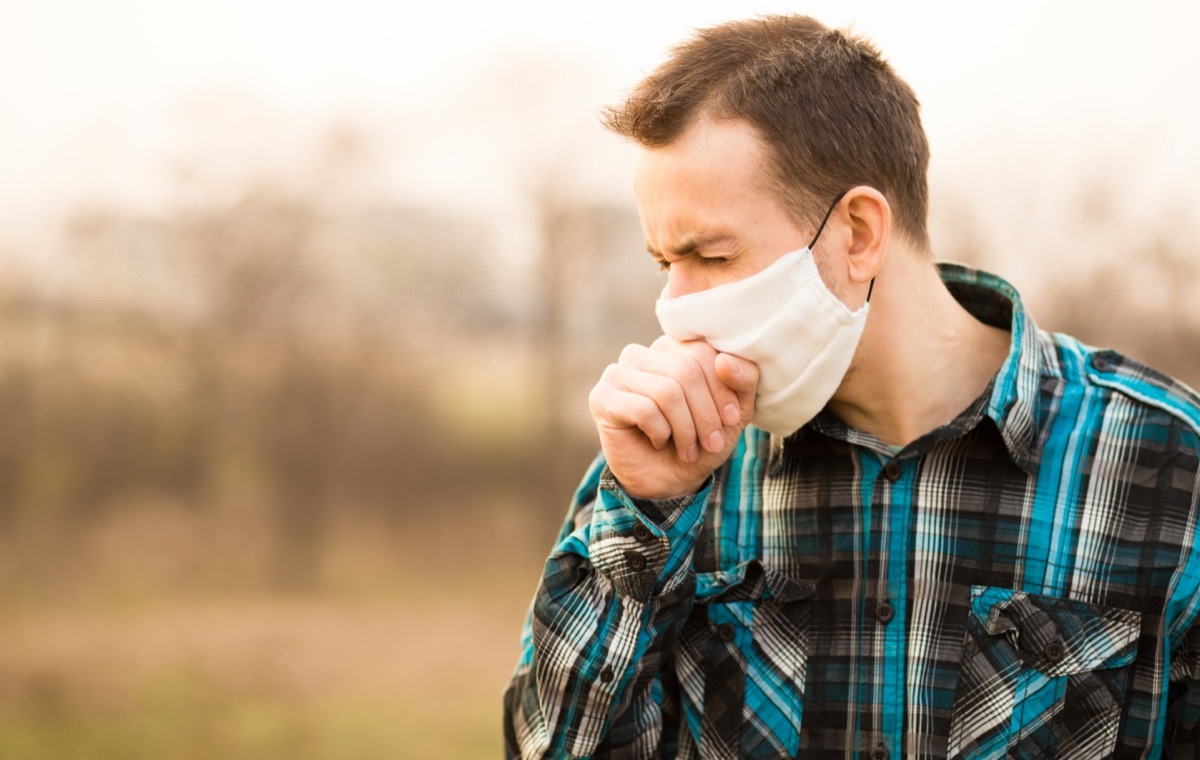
(869, 220)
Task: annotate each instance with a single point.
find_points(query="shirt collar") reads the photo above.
(1012, 403)
(1010, 400)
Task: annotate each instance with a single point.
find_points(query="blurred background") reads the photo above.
(300, 304)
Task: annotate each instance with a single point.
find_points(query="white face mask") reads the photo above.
(785, 320)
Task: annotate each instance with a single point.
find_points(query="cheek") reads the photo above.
(832, 282)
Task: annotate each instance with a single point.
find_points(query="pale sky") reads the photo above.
(99, 98)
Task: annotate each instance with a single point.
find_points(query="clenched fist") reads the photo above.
(670, 414)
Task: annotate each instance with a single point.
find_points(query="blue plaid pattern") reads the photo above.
(1022, 582)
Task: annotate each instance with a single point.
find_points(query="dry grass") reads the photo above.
(403, 653)
(255, 678)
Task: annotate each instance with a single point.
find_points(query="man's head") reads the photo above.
(830, 111)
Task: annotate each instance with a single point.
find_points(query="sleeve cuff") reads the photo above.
(644, 544)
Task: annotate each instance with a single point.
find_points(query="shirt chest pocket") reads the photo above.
(1041, 676)
(744, 653)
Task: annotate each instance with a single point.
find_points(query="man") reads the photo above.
(853, 503)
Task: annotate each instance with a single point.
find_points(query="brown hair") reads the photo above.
(831, 111)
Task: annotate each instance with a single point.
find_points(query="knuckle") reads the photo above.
(677, 366)
(630, 353)
(693, 373)
(644, 410)
(699, 349)
(596, 396)
(670, 391)
(609, 373)
(600, 390)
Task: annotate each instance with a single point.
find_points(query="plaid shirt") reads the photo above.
(1022, 582)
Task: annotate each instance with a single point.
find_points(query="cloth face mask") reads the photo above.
(785, 320)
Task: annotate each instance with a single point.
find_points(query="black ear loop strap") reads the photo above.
(828, 214)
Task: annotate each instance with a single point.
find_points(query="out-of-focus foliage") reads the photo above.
(279, 469)
(1091, 267)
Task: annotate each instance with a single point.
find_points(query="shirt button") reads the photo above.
(880, 753)
(884, 612)
(891, 471)
(1054, 652)
(725, 632)
(641, 532)
(606, 675)
(637, 563)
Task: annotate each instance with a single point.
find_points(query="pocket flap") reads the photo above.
(751, 580)
(1058, 636)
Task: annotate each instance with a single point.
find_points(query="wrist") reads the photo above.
(662, 495)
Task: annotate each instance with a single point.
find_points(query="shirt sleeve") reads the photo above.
(615, 590)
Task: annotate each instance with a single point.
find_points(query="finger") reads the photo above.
(673, 405)
(664, 415)
(663, 390)
(724, 398)
(687, 368)
(741, 376)
(616, 408)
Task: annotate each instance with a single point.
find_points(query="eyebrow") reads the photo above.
(690, 245)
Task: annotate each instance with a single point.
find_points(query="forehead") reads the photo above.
(709, 156)
(711, 180)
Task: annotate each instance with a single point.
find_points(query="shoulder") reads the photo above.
(1145, 391)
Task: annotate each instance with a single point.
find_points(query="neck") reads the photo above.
(922, 360)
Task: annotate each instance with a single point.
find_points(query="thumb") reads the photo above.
(739, 374)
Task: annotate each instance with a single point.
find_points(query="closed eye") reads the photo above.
(704, 261)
